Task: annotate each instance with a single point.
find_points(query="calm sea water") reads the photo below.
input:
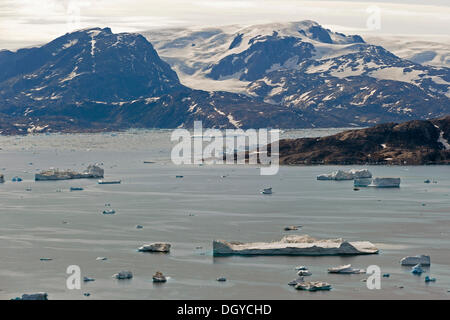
(69, 227)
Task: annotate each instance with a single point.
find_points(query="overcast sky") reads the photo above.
(30, 22)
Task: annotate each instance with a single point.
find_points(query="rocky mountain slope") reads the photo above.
(413, 142)
(294, 75)
(303, 66)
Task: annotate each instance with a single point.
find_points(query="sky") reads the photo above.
(25, 23)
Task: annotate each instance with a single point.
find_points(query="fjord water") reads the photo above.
(189, 213)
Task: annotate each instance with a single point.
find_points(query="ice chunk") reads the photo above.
(34, 296)
(122, 275)
(155, 247)
(346, 269)
(313, 286)
(159, 277)
(346, 175)
(385, 183)
(414, 260)
(417, 269)
(2, 178)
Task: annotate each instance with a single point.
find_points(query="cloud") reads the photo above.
(25, 22)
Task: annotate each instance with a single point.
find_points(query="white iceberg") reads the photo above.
(92, 172)
(313, 286)
(300, 245)
(155, 247)
(385, 183)
(423, 260)
(346, 269)
(346, 175)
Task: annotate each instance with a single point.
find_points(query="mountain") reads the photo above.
(95, 80)
(413, 143)
(302, 66)
(293, 75)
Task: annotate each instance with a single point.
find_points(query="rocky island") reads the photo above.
(417, 142)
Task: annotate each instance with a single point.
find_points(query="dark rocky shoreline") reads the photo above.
(418, 142)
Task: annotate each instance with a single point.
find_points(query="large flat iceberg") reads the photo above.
(346, 175)
(300, 245)
(92, 172)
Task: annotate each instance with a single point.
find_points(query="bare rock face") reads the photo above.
(155, 247)
(294, 245)
(159, 277)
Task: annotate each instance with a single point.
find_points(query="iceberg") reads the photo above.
(159, 277)
(155, 247)
(414, 260)
(92, 172)
(385, 183)
(34, 296)
(346, 269)
(299, 245)
(122, 275)
(346, 175)
(363, 182)
(313, 286)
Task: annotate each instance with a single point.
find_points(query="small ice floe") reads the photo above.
(296, 281)
(313, 286)
(266, 191)
(123, 275)
(386, 275)
(298, 268)
(16, 179)
(148, 162)
(33, 296)
(139, 227)
(86, 294)
(179, 177)
(76, 189)
(221, 279)
(427, 181)
(417, 270)
(291, 228)
(429, 279)
(155, 247)
(346, 269)
(28, 189)
(346, 175)
(108, 209)
(109, 181)
(2, 178)
(423, 260)
(87, 279)
(159, 277)
(101, 259)
(304, 273)
(46, 259)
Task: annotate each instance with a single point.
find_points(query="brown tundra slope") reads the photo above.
(414, 142)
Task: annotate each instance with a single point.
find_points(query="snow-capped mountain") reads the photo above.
(293, 75)
(304, 66)
(94, 79)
